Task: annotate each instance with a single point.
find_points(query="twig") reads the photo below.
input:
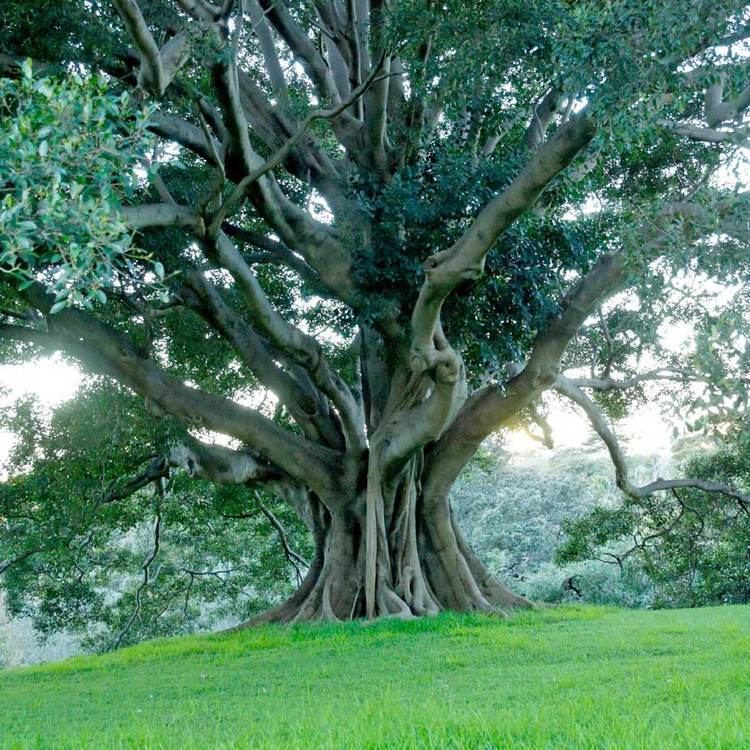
(294, 558)
(146, 568)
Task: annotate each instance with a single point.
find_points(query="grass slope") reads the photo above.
(563, 678)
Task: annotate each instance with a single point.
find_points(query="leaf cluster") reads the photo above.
(68, 151)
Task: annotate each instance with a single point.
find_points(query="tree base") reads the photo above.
(447, 578)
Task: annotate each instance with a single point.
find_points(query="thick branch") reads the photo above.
(201, 10)
(222, 465)
(719, 110)
(305, 404)
(275, 251)
(151, 75)
(698, 133)
(26, 335)
(156, 470)
(159, 215)
(109, 351)
(302, 47)
(296, 228)
(543, 112)
(270, 56)
(185, 134)
(465, 259)
(234, 200)
(489, 408)
(301, 347)
(158, 67)
(376, 117)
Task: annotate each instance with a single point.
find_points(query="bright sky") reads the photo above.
(644, 432)
(49, 378)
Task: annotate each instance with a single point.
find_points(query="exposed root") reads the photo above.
(422, 565)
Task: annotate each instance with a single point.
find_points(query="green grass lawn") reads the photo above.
(556, 678)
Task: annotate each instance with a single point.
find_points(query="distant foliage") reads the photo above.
(20, 643)
(515, 514)
(219, 560)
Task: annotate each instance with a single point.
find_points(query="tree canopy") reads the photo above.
(319, 251)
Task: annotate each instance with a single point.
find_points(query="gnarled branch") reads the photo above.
(605, 432)
(304, 403)
(464, 260)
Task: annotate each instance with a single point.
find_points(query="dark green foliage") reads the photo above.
(694, 546)
(53, 31)
(219, 558)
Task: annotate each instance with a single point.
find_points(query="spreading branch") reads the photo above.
(304, 349)
(157, 469)
(605, 432)
(464, 260)
(304, 404)
(674, 374)
(25, 555)
(293, 557)
(158, 66)
(493, 406)
(106, 350)
(222, 465)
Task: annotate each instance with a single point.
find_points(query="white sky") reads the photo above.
(49, 378)
(644, 432)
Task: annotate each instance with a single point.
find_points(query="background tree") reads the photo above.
(515, 509)
(402, 219)
(693, 546)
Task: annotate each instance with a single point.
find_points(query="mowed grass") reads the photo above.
(556, 678)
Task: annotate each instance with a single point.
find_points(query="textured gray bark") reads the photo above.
(424, 565)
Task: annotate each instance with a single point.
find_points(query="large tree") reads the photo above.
(403, 219)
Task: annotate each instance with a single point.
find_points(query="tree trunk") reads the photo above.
(423, 564)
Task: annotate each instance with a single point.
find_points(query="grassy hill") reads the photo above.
(562, 678)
